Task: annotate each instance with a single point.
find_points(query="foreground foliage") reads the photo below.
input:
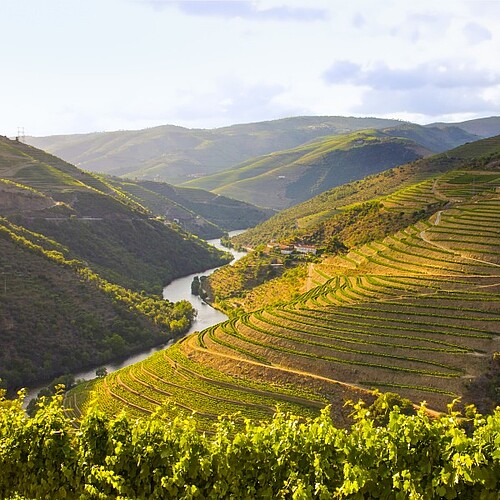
(400, 456)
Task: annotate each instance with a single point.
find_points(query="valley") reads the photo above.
(363, 315)
(414, 311)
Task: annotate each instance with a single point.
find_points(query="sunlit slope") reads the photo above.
(286, 178)
(327, 212)
(417, 313)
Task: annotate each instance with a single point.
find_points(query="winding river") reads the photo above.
(179, 289)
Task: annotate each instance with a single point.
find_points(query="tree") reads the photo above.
(195, 286)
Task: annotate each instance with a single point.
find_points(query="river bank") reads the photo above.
(179, 289)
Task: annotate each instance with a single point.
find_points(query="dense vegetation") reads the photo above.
(139, 254)
(384, 454)
(58, 316)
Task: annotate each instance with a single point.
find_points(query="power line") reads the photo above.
(20, 137)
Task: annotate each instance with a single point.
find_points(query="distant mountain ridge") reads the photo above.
(176, 154)
(274, 164)
(482, 127)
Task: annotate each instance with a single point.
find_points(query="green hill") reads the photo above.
(98, 223)
(197, 211)
(175, 154)
(79, 263)
(336, 206)
(414, 311)
(285, 178)
(58, 316)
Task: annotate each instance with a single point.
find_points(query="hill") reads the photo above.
(415, 312)
(176, 154)
(286, 178)
(80, 263)
(197, 211)
(336, 207)
(482, 127)
(98, 223)
(58, 316)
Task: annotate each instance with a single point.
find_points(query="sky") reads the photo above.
(78, 66)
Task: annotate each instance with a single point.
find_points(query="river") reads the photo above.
(179, 289)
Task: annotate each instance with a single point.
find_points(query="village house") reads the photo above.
(306, 249)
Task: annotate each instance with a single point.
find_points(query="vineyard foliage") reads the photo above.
(408, 456)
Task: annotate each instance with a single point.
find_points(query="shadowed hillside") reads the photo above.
(99, 224)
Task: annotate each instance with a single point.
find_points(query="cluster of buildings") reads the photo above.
(295, 248)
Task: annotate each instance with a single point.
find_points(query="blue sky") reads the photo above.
(76, 66)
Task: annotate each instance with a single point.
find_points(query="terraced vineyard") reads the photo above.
(417, 313)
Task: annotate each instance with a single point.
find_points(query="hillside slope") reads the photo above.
(176, 154)
(416, 312)
(482, 127)
(99, 224)
(305, 219)
(285, 178)
(197, 211)
(57, 316)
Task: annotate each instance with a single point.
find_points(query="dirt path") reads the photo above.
(425, 238)
(354, 387)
